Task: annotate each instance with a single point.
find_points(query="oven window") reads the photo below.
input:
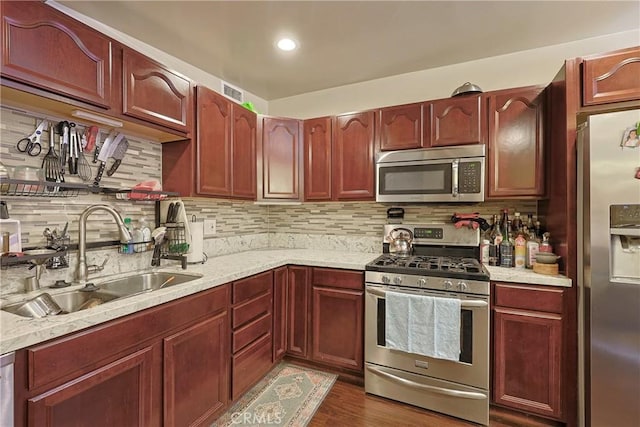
(416, 179)
(466, 331)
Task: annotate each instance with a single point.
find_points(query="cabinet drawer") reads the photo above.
(246, 289)
(250, 310)
(250, 365)
(51, 362)
(346, 279)
(251, 332)
(528, 297)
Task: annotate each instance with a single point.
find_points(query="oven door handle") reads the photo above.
(463, 303)
(429, 388)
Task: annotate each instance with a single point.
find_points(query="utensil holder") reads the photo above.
(59, 244)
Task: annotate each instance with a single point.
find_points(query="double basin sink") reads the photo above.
(85, 298)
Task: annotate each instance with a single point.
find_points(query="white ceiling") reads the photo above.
(343, 42)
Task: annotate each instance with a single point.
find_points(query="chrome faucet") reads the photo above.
(125, 236)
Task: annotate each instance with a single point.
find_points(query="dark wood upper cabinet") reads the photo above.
(45, 48)
(456, 121)
(353, 162)
(317, 158)
(213, 139)
(154, 93)
(515, 150)
(243, 152)
(280, 156)
(401, 127)
(611, 77)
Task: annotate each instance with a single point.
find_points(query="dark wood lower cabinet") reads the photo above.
(298, 311)
(196, 373)
(117, 394)
(119, 373)
(337, 336)
(251, 337)
(280, 281)
(528, 368)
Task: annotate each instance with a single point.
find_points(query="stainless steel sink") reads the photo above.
(104, 292)
(146, 282)
(69, 302)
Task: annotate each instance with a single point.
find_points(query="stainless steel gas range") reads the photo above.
(443, 264)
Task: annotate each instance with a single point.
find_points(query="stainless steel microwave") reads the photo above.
(443, 174)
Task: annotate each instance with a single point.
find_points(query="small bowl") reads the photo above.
(546, 258)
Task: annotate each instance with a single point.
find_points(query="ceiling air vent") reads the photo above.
(232, 92)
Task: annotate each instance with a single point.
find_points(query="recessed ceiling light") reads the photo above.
(286, 44)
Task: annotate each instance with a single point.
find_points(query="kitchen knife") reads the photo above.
(118, 155)
(169, 212)
(176, 210)
(63, 130)
(106, 151)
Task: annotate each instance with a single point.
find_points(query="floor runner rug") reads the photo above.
(288, 396)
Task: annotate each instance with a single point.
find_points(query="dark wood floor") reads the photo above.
(348, 405)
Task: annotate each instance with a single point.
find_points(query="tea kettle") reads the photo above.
(400, 242)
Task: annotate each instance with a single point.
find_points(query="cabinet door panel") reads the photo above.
(154, 93)
(280, 281)
(317, 159)
(244, 153)
(612, 77)
(401, 127)
(337, 327)
(516, 152)
(196, 372)
(456, 121)
(353, 157)
(97, 398)
(298, 311)
(213, 142)
(280, 159)
(47, 49)
(528, 361)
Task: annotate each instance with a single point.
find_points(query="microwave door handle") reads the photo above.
(454, 177)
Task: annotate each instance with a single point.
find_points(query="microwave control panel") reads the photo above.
(469, 177)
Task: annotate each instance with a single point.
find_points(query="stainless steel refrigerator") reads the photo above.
(609, 269)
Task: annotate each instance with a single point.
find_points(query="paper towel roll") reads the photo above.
(196, 249)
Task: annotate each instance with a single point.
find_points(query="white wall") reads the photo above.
(536, 66)
(194, 73)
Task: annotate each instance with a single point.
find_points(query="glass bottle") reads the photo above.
(506, 253)
(516, 223)
(520, 251)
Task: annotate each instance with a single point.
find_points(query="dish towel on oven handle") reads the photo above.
(422, 324)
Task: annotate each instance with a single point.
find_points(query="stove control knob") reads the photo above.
(462, 286)
(448, 284)
(422, 282)
(397, 280)
(386, 280)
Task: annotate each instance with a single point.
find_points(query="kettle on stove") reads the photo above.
(400, 242)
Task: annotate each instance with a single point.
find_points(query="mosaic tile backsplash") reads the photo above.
(241, 225)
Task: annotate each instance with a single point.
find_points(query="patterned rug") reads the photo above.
(289, 395)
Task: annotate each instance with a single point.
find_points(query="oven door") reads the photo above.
(472, 369)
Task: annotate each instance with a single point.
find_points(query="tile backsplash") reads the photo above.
(241, 225)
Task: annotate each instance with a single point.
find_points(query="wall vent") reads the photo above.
(232, 92)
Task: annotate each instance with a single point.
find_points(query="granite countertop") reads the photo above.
(502, 274)
(18, 332)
